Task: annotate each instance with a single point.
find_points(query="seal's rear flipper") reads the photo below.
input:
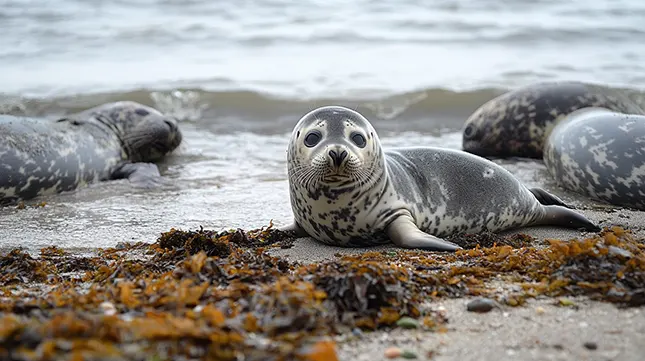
(142, 175)
(547, 198)
(404, 233)
(560, 216)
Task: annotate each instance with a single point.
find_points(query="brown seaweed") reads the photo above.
(220, 295)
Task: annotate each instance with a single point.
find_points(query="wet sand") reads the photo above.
(539, 330)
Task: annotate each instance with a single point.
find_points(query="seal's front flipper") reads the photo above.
(141, 175)
(295, 229)
(404, 233)
(564, 217)
(547, 198)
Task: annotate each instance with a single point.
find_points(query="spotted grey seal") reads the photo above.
(517, 123)
(41, 156)
(345, 190)
(601, 154)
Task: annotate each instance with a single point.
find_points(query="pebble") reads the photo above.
(591, 345)
(539, 310)
(481, 305)
(407, 322)
(408, 355)
(393, 352)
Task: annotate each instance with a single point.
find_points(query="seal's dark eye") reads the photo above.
(469, 132)
(359, 140)
(312, 138)
(142, 112)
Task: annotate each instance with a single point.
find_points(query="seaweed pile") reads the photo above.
(204, 295)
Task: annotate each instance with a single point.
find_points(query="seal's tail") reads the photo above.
(564, 217)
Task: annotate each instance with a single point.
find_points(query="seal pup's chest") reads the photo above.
(355, 217)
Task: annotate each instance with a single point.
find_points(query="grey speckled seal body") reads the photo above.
(601, 154)
(345, 190)
(517, 123)
(116, 140)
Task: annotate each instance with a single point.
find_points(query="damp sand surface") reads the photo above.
(539, 330)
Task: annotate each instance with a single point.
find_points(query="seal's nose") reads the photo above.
(172, 124)
(337, 158)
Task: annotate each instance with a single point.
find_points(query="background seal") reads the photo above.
(116, 140)
(517, 123)
(601, 154)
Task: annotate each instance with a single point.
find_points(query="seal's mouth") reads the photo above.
(335, 177)
(475, 147)
(174, 134)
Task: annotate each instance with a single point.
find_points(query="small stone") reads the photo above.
(393, 352)
(539, 310)
(407, 354)
(591, 345)
(407, 322)
(481, 305)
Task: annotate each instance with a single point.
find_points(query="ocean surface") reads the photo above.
(239, 74)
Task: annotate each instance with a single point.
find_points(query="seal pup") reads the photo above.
(345, 190)
(517, 123)
(601, 154)
(41, 156)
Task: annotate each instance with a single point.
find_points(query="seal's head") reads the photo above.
(485, 132)
(146, 134)
(333, 147)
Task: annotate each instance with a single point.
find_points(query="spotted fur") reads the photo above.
(517, 123)
(443, 191)
(116, 140)
(601, 154)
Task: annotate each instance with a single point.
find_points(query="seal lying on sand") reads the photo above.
(345, 190)
(601, 154)
(517, 123)
(116, 140)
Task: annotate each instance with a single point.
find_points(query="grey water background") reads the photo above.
(239, 74)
